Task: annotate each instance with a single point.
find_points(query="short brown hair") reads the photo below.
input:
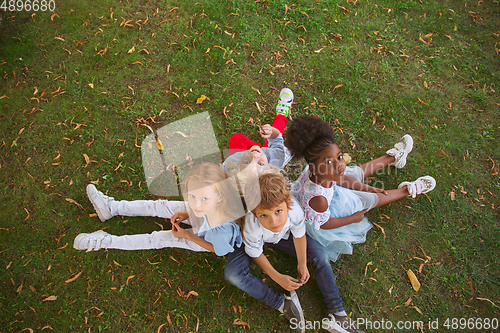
(271, 189)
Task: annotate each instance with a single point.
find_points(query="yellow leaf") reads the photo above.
(428, 35)
(201, 99)
(131, 50)
(73, 278)
(413, 279)
(425, 85)
(347, 158)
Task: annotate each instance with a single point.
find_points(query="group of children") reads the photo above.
(246, 205)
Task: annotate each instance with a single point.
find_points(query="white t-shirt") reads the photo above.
(255, 235)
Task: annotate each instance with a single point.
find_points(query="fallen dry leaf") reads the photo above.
(129, 278)
(159, 328)
(73, 278)
(74, 202)
(382, 229)
(347, 158)
(131, 50)
(413, 279)
(50, 298)
(239, 322)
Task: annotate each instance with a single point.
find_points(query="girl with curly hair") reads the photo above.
(333, 195)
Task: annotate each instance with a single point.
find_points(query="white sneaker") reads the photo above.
(100, 202)
(401, 151)
(421, 185)
(92, 242)
(285, 102)
(330, 324)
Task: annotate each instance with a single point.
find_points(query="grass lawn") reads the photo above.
(76, 84)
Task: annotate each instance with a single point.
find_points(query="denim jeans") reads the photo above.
(238, 264)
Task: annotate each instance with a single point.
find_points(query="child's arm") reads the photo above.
(285, 281)
(353, 184)
(269, 132)
(182, 233)
(301, 250)
(320, 204)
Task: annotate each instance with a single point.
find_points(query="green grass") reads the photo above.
(69, 86)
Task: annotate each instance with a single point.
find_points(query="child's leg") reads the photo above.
(395, 156)
(421, 185)
(236, 272)
(238, 142)
(106, 207)
(317, 256)
(279, 122)
(154, 240)
(157, 208)
(392, 195)
(369, 168)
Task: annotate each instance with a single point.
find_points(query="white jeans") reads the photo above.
(156, 239)
(157, 208)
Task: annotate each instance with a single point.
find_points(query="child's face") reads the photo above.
(273, 219)
(255, 156)
(330, 163)
(203, 200)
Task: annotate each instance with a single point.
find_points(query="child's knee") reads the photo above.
(233, 275)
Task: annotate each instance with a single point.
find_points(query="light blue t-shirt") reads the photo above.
(224, 236)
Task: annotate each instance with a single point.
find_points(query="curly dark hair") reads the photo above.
(308, 136)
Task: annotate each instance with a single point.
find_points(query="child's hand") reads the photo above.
(357, 217)
(179, 216)
(303, 273)
(177, 231)
(266, 131)
(378, 190)
(289, 283)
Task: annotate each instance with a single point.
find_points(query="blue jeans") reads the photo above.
(238, 264)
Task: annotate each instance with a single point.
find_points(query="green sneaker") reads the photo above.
(285, 102)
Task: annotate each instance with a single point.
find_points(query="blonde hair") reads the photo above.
(209, 174)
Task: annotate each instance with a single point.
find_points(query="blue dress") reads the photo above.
(342, 202)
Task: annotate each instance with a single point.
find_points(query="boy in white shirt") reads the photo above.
(279, 222)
